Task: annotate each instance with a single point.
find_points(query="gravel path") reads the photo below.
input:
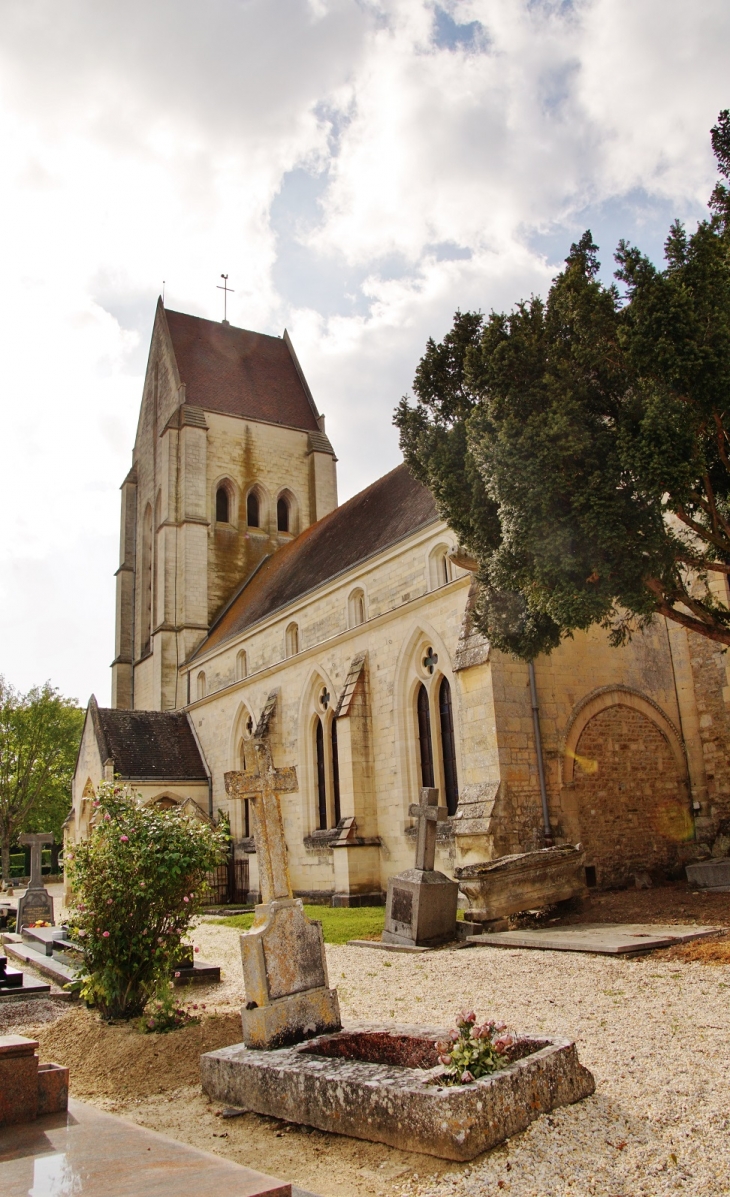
(653, 1032)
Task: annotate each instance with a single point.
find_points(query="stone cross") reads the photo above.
(429, 814)
(36, 841)
(263, 786)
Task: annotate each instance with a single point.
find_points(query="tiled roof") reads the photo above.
(154, 744)
(240, 373)
(378, 517)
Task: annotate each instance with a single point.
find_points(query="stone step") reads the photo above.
(47, 966)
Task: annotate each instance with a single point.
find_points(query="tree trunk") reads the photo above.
(6, 861)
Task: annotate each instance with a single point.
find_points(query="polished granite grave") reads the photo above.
(86, 1153)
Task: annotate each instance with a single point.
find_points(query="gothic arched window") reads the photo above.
(282, 515)
(321, 777)
(292, 640)
(241, 664)
(335, 773)
(448, 746)
(201, 686)
(356, 608)
(424, 737)
(252, 510)
(221, 505)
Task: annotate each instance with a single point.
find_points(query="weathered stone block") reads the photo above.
(524, 881)
(710, 874)
(372, 1082)
(420, 908)
(292, 1018)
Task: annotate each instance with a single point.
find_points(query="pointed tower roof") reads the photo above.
(241, 373)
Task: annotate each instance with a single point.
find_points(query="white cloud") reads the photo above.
(171, 141)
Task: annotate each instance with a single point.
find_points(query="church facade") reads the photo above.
(247, 599)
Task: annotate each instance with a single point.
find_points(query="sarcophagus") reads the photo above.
(525, 881)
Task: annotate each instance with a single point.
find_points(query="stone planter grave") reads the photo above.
(382, 1083)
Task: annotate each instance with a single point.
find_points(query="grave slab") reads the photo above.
(100, 1155)
(378, 1083)
(710, 874)
(603, 939)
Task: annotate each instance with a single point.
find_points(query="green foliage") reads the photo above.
(137, 883)
(338, 924)
(579, 447)
(39, 738)
(166, 1013)
(473, 1051)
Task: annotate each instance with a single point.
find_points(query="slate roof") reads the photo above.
(388, 510)
(148, 744)
(240, 373)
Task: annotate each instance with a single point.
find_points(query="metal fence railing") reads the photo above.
(227, 884)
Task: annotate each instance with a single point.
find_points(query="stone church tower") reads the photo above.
(230, 463)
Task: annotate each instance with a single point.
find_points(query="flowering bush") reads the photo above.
(165, 1013)
(472, 1051)
(137, 883)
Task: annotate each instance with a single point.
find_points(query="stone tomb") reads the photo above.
(36, 904)
(710, 875)
(523, 881)
(421, 905)
(382, 1083)
(284, 963)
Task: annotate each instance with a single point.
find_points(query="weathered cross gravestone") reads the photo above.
(36, 904)
(284, 964)
(421, 904)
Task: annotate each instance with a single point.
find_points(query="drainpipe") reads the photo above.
(538, 749)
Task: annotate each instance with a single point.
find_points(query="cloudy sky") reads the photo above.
(359, 168)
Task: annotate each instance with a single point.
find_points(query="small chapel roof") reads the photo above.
(148, 744)
(387, 511)
(241, 373)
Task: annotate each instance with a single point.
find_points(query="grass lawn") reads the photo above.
(338, 925)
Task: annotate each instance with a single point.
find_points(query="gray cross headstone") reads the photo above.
(429, 815)
(36, 903)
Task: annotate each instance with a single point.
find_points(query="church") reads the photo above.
(250, 602)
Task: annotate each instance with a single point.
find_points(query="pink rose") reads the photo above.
(186, 898)
(196, 949)
(466, 1078)
(108, 818)
(141, 885)
(124, 839)
(177, 974)
(82, 934)
(105, 935)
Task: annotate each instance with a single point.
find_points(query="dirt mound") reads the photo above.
(120, 1062)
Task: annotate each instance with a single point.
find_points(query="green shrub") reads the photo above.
(137, 883)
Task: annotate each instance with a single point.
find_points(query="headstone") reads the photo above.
(284, 964)
(421, 904)
(36, 904)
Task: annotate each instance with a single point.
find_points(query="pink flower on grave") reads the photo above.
(82, 934)
(445, 1059)
(109, 901)
(151, 1023)
(177, 974)
(196, 949)
(124, 839)
(467, 1016)
(186, 898)
(141, 885)
(466, 1077)
(97, 802)
(105, 934)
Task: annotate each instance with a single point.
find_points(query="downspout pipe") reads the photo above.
(538, 750)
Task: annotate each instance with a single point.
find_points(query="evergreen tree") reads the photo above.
(579, 446)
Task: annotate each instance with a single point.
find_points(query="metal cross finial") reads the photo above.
(226, 292)
(429, 814)
(324, 697)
